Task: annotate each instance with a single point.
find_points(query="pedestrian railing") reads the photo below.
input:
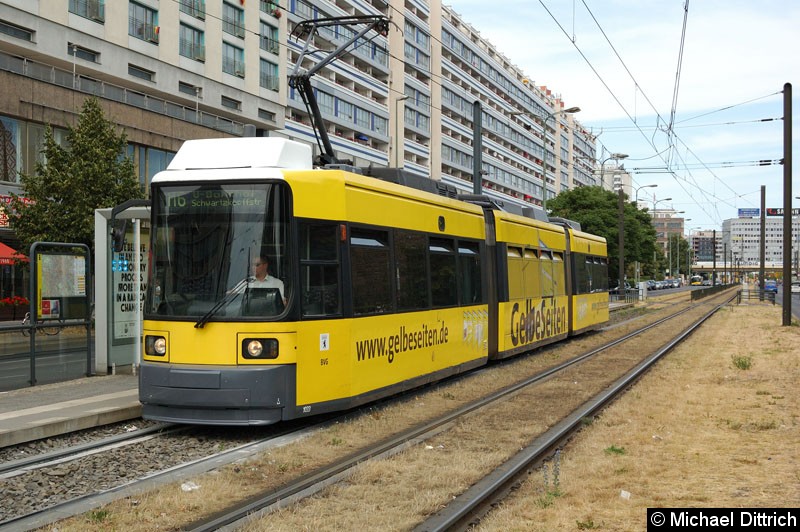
(760, 295)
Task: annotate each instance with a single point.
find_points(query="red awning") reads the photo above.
(8, 255)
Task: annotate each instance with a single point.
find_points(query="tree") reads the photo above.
(678, 254)
(91, 171)
(597, 210)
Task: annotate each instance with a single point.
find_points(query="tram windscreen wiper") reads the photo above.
(221, 303)
(230, 296)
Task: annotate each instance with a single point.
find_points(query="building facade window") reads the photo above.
(269, 38)
(362, 117)
(270, 7)
(83, 53)
(192, 43)
(147, 162)
(91, 9)
(268, 77)
(232, 20)
(232, 60)
(325, 102)
(16, 31)
(266, 115)
(142, 22)
(141, 73)
(195, 8)
(188, 88)
(230, 103)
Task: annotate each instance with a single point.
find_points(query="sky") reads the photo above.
(691, 91)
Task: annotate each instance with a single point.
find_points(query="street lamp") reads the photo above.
(569, 110)
(640, 188)
(398, 139)
(657, 202)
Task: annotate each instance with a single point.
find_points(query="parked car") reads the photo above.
(796, 287)
(615, 288)
(771, 286)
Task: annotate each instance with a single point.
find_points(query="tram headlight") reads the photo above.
(155, 345)
(260, 348)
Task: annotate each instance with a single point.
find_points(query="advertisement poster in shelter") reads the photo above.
(124, 279)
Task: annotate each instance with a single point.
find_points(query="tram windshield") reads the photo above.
(216, 248)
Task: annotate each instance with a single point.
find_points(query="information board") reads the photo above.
(61, 275)
(123, 286)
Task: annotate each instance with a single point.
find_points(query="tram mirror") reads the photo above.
(118, 235)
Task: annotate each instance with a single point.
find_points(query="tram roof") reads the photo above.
(246, 152)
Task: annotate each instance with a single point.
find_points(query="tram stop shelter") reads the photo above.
(120, 282)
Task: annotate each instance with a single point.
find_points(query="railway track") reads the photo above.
(73, 479)
(317, 478)
(497, 482)
(63, 455)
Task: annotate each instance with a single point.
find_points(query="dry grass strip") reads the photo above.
(715, 425)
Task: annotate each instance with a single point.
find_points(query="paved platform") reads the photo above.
(52, 409)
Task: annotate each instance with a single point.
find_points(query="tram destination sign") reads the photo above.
(779, 212)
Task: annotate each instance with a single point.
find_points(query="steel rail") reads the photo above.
(8, 469)
(325, 476)
(91, 501)
(460, 513)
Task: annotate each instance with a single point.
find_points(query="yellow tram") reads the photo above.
(371, 287)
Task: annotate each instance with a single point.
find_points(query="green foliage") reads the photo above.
(99, 516)
(742, 362)
(586, 525)
(89, 172)
(613, 449)
(597, 210)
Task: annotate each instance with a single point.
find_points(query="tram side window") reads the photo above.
(443, 272)
(410, 274)
(516, 279)
(469, 274)
(546, 273)
(584, 269)
(600, 274)
(319, 269)
(530, 272)
(369, 254)
(559, 279)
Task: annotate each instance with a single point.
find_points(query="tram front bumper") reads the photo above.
(215, 395)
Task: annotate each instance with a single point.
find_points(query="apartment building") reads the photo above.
(167, 71)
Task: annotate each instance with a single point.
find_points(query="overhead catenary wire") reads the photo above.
(437, 79)
(672, 136)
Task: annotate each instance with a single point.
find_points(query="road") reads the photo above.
(59, 357)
